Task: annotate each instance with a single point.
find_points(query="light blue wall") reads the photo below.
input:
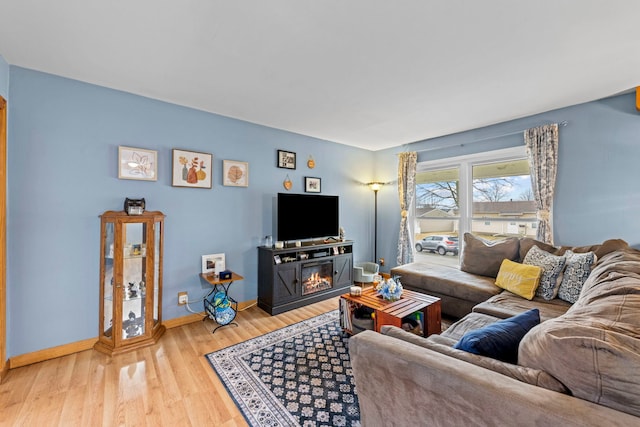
(63, 145)
(63, 142)
(597, 188)
(4, 78)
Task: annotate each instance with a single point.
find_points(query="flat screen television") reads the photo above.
(307, 216)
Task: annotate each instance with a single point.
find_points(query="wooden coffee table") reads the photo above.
(392, 312)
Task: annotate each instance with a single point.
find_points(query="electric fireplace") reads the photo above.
(317, 277)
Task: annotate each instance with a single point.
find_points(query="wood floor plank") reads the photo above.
(167, 384)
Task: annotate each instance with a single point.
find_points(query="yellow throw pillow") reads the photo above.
(521, 279)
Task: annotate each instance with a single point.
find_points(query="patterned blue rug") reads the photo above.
(299, 375)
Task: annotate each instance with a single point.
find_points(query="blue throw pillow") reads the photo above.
(500, 340)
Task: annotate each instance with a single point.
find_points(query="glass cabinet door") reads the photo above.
(134, 267)
(108, 280)
(157, 273)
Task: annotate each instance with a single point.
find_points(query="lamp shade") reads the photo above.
(375, 186)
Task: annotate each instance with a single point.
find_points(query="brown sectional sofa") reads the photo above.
(580, 366)
(461, 289)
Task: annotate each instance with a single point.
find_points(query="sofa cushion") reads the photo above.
(594, 348)
(521, 279)
(445, 280)
(552, 266)
(600, 250)
(500, 340)
(576, 271)
(507, 304)
(444, 346)
(470, 322)
(484, 258)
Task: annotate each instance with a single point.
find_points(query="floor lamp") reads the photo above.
(375, 186)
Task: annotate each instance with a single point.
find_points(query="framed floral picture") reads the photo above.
(192, 169)
(235, 174)
(286, 159)
(311, 184)
(137, 163)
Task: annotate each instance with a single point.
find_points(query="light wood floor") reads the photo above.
(167, 384)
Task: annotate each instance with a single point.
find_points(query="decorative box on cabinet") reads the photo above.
(293, 276)
(130, 281)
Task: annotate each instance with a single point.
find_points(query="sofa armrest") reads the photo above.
(400, 383)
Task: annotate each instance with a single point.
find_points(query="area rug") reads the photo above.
(298, 375)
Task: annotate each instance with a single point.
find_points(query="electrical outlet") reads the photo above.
(182, 298)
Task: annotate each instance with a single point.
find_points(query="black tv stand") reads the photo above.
(282, 274)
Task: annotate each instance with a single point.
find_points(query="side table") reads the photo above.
(220, 307)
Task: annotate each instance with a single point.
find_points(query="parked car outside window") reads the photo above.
(440, 244)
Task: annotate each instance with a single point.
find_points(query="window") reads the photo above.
(502, 192)
(437, 209)
(488, 194)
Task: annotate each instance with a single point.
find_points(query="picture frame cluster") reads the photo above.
(192, 169)
(287, 160)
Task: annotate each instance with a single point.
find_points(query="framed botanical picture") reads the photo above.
(213, 263)
(286, 159)
(235, 174)
(192, 169)
(137, 163)
(311, 184)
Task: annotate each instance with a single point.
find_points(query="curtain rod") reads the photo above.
(562, 123)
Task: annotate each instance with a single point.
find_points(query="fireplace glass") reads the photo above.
(317, 277)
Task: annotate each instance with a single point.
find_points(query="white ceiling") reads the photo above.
(368, 73)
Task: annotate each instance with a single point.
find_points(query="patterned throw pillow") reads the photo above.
(552, 266)
(576, 272)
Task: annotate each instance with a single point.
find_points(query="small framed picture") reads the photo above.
(213, 263)
(311, 184)
(235, 174)
(276, 259)
(137, 163)
(192, 169)
(286, 159)
(335, 250)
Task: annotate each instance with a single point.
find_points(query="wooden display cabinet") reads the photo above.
(130, 281)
